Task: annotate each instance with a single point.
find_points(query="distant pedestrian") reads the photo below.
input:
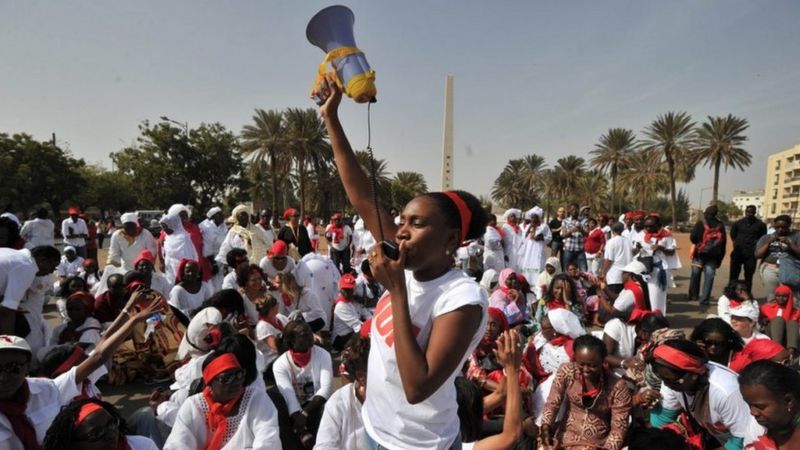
(745, 233)
(709, 239)
(75, 231)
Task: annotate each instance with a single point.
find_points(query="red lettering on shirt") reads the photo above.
(383, 320)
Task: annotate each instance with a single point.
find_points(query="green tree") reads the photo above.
(381, 173)
(407, 185)
(34, 172)
(643, 178)
(307, 140)
(611, 154)
(566, 177)
(719, 142)
(520, 182)
(265, 142)
(106, 190)
(671, 135)
(592, 190)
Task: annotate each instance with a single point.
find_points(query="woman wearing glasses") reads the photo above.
(231, 412)
(91, 424)
(718, 340)
(707, 391)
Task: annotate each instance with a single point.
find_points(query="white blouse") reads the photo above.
(341, 427)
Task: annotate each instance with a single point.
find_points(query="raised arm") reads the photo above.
(355, 181)
(509, 354)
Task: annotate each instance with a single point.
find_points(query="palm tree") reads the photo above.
(307, 140)
(612, 153)
(642, 177)
(381, 174)
(670, 135)
(266, 140)
(592, 188)
(407, 185)
(566, 176)
(720, 142)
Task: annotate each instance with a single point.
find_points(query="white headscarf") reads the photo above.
(565, 322)
(177, 208)
(489, 276)
(211, 212)
(178, 244)
(745, 309)
(11, 216)
(536, 211)
(512, 211)
(129, 217)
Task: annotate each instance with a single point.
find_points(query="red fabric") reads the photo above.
(146, 255)
(498, 315)
(555, 303)
(336, 233)
(197, 239)
(289, 212)
(764, 442)
(770, 310)
(733, 303)
(347, 281)
(640, 308)
(91, 235)
(588, 392)
(216, 420)
(710, 234)
(755, 350)
(341, 299)
(86, 410)
(635, 215)
(279, 248)
(463, 212)
(181, 266)
(222, 363)
(272, 321)
(14, 410)
(68, 363)
(594, 241)
(658, 235)
(301, 359)
(500, 232)
(679, 359)
(365, 329)
(213, 338)
(287, 299)
(84, 297)
(73, 210)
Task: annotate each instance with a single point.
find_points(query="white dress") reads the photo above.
(187, 302)
(341, 427)
(493, 254)
(512, 241)
(533, 254)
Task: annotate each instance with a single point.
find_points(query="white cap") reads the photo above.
(215, 210)
(70, 248)
(745, 309)
(512, 211)
(635, 267)
(8, 342)
(130, 217)
(177, 208)
(11, 216)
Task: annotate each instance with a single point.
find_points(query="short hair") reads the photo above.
(653, 322)
(235, 256)
(590, 343)
(229, 299)
(355, 356)
(292, 329)
(656, 439)
(63, 288)
(618, 227)
(775, 377)
(46, 251)
(784, 218)
(243, 272)
(13, 230)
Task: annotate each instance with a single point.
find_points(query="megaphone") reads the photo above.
(331, 29)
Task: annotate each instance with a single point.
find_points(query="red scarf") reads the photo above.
(500, 232)
(640, 308)
(217, 418)
(341, 299)
(301, 359)
(514, 227)
(556, 303)
(287, 299)
(658, 235)
(272, 321)
(591, 393)
(14, 409)
(338, 233)
(770, 310)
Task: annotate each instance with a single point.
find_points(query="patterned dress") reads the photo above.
(602, 425)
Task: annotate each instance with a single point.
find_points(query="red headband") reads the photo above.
(73, 358)
(221, 364)
(679, 359)
(463, 212)
(86, 410)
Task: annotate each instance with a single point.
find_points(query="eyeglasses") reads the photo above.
(229, 378)
(13, 368)
(101, 433)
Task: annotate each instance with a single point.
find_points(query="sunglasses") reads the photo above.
(14, 368)
(229, 378)
(101, 433)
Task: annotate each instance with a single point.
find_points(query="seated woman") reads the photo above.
(744, 320)
(231, 412)
(189, 291)
(707, 391)
(270, 329)
(233, 259)
(551, 267)
(88, 424)
(349, 313)
(508, 298)
(299, 301)
(144, 265)
(110, 303)
(586, 285)
(772, 391)
(67, 287)
(226, 305)
(304, 377)
(81, 327)
(735, 294)
(559, 295)
(719, 341)
(598, 403)
(548, 351)
(91, 274)
(781, 318)
(341, 426)
(277, 260)
(250, 282)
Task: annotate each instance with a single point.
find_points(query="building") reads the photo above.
(743, 199)
(782, 188)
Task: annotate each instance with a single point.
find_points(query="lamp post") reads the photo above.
(700, 203)
(184, 125)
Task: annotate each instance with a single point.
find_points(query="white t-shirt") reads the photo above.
(229, 282)
(348, 317)
(17, 272)
(270, 271)
(124, 253)
(67, 268)
(140, 442)
(618, 251)
(625, 301)
(339, 244)
(625, 336)
(388, 417)
(316, 378)
(341, 427)
(69, 389)
(213, 235)
(730, 415)
(187, 302)
(77, 227)
(254, 426)
(264, 330)
(38, 232)
(43, 406)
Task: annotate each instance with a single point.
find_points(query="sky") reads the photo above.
(538, 77)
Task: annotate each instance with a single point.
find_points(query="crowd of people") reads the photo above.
(271, 332)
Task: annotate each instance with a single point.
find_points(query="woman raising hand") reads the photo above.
(433, 316)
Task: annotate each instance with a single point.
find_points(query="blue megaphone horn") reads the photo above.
(331, 29)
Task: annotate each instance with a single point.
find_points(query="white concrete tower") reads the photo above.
(447, 137)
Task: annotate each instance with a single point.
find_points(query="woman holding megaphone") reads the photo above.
(432, 316)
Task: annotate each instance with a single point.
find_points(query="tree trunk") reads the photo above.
(715, 190)
(673, 201)
(274, 166)
(302, 173)
(613, 188)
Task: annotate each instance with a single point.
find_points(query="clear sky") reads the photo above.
(539, 77)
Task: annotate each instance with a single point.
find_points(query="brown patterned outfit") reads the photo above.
(602, 425)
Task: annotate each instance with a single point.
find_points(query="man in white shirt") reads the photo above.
(18, 269)
(339, 237)
(75, 231)
(128, 242)
(70, 265)
(214, 231)
(39, 230)
(616, 256)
